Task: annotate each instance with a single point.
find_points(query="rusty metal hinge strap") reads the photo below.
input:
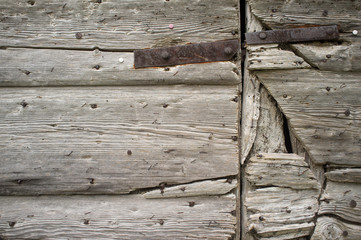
(293, 35)
(185, 54)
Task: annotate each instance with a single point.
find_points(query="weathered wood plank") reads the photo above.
(203, 188)
(328, 228)
(352, 175)
(117, 217)
(330, 56)
(281, 170)
(271, 56)
(114, 140)
(343, 200)
(116, 25)
(278, 14)
(280, 208)
(323, 109)
(49, 67)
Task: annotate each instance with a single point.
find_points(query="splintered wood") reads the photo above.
(282, 199)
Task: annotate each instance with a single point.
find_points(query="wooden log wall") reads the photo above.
(91, 147)
(316, 87)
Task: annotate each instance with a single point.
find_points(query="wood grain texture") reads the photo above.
(331, 56)
(280, 170)
(116, 217)
(202, 188)
(271, 56)
(343, 200)
(352, 175)
(278, 14)
(49, 67)
(328, 228)
(323, 109)
(116, 25)
(280, 208)
(114, 140)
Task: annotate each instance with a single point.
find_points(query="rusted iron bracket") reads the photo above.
(293, 35)
(185, 54)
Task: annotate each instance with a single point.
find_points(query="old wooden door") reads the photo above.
(91, 148)
(302, 99)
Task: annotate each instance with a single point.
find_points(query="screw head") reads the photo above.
(355, 32)
(262, 35)
(165, 55)
(228, 51)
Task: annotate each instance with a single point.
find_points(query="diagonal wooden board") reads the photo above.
(117, 217)
(323, 109)
(113, 140)
(117, 25)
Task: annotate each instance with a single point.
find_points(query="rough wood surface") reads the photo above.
(281, 170)
(330, 229)
(352, 175)
(203, 188)
(49, 67)
(271, 56)
(333, 56)
(116, 25)
(117, 217)
(343, 200)
(323, 109)
(114, 140)
(284, 14)
(284, 199)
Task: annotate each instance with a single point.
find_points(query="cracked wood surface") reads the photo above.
(116, 25)
(203, 188)
(330, 229)
(323, 109)
(278, 14)
(104, 140)
(283, 199)
(50, 67)
(117, 217)
(271, 56)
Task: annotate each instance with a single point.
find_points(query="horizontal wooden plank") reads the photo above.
(116, 25)
(345, 175)
(114, 140)
(278, 14)
(202, 188)
(282, 170)
(49, 67)
(331, 56)
(323, 109)
(343, 200)
(328, 228)
(117, 217)
(271, 56)
(282, 199)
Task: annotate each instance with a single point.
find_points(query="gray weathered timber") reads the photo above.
(323, 109)
(116, 25)
(331, 56)
(271, 169)
(202, 188)
(343, 200)
(330, 229)
(49, 67)
(117, 217)
(96, 140)
(270, 56)
(278, 14)
(352, 175)
(279, 207)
